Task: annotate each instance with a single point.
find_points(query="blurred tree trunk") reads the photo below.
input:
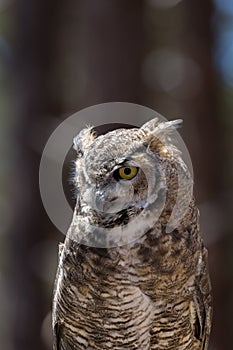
(109, 52)
(33, 44)
(112, 49)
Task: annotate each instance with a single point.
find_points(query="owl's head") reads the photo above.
(115, 171)
(125, 171)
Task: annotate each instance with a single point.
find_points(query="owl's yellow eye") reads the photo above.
(127, 172)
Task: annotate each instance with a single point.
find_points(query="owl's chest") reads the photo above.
(110, 313)
(155, 270)
(118, 309)
(125, 285)
(117, 299)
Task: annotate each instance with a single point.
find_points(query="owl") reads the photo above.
(124, 280)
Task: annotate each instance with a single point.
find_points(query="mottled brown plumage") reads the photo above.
(152, 293)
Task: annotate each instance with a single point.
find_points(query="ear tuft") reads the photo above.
(154, 125)
(168, 127)
(83, 140)
(150, 125)
(161, 128)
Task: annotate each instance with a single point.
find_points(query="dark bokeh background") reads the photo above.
(57, 57)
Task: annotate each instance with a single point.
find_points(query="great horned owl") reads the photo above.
(139, 285)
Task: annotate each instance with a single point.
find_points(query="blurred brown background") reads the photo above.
(57, 57)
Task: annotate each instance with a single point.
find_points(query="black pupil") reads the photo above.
(127, 171)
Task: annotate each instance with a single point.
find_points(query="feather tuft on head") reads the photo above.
(156, 127)
(83, 140)
(159, 135)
